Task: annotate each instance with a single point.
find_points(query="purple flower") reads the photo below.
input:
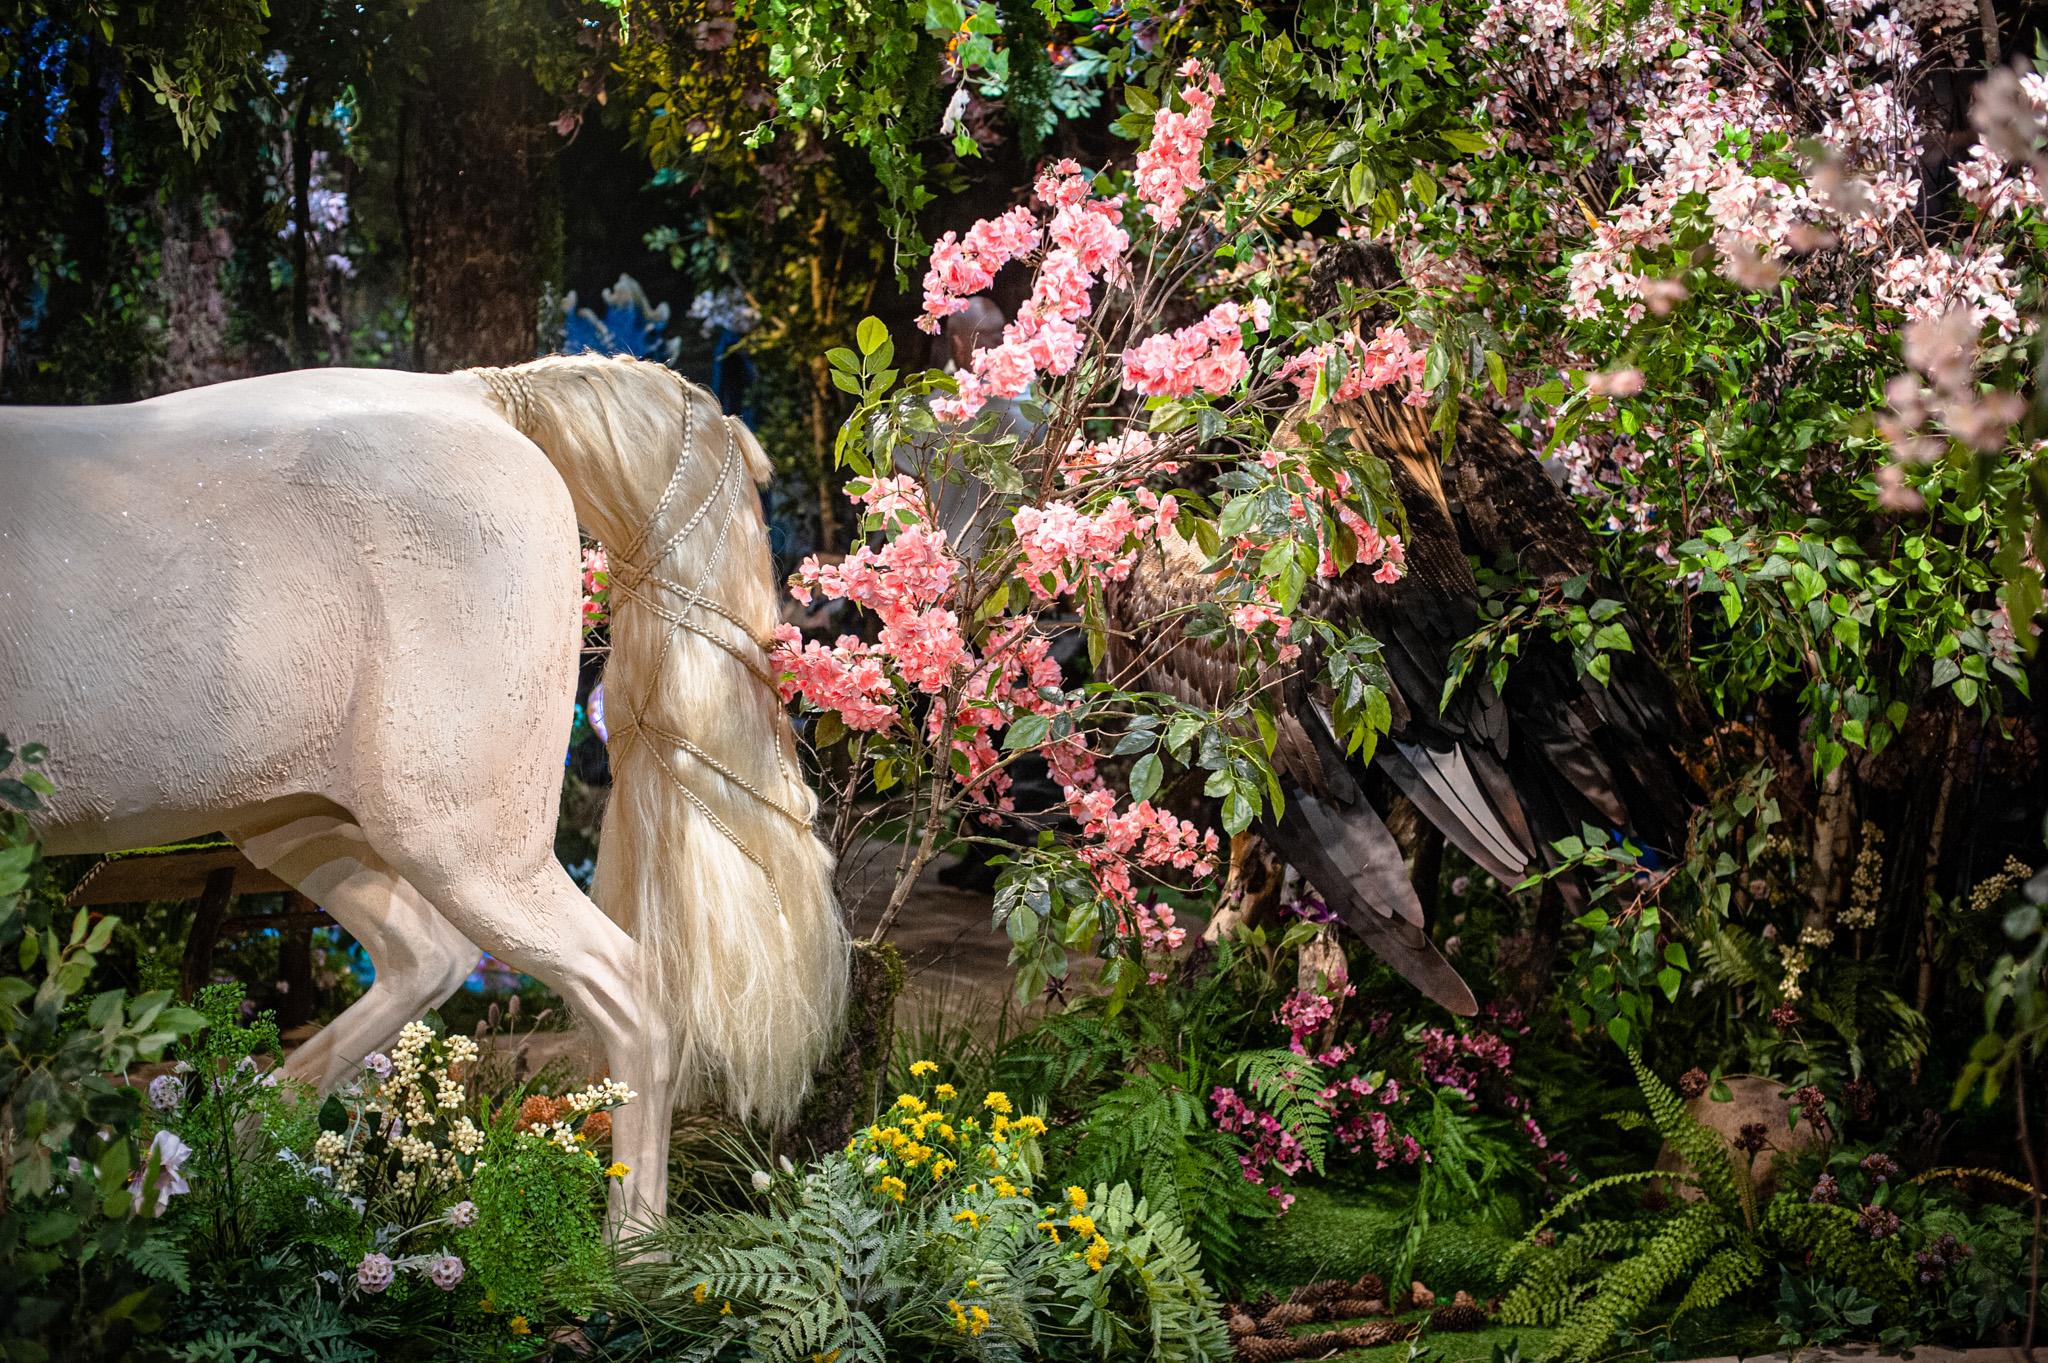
(378, 1063)
(1876, 1222)
(462, 1215)
(375, 1273)
(165, 1093)
(1460, 885)
(445, 1272)
(1881, 1168)
(1827, 1190)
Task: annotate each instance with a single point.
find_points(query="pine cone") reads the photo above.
(1352, 1308)
(1463, 1299)
(1328, 1290)
(1493, 1303)
(1375, 1334)
(1321, 1345)
(1370, 1287)
(1423, 1297)
(1258, 1349)
(1403, 1304)
(1457, 1317)
(1258, 1306)
(1241, 1326)
(1286, 1316)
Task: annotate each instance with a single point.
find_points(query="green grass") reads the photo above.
(1334, 1233)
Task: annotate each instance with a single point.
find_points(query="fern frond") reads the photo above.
(1877, 1269)
(1702, 1147)
(1553, 1280)
(1631, 1285)
(1287, 1085)
(1728, 1272)
(1599, 1185)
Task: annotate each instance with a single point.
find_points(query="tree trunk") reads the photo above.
(846, 1089)
(302, 230)
(481, 216)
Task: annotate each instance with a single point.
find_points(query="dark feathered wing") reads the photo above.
(1587, 752)
(1329, 831)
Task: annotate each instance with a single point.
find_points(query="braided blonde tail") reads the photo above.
(707, 855)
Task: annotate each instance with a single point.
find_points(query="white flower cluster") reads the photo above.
(416, 1087)
(609, 1093)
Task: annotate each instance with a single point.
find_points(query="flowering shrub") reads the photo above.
(958, 682)
(442, 1183)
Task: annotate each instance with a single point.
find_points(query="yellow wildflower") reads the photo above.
(942, 1167)
(959, 1316)
(725, 1310)
(924, 1067)
(697, 1293)
(1003, 1187)
(1078, 1196)
(892, 1186)
(617, 1170)
(997, 1102)
(909, 1103)
(1030, 1126)
(980, 1321)
(1084, 1225)
(1098, 1254)
(972, 1218)
(946, 1130)
(1050, 1229)
(520, 1327)
(945, 1093)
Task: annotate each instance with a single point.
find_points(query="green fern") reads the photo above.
(1728, 1272)
(1625, 1289)
(1287, 1086)
(1878, 1269)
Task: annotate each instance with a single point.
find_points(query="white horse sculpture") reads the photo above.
(333, 613)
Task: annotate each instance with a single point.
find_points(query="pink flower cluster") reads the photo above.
(1170, 169)
(1385, 360)
(597, 584)
(1130, 452)
(1088, 244)
(964, 266)
(1061, 537)
(1208, 355)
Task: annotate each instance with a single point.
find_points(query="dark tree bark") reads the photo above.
(481, 215)
(302, 230)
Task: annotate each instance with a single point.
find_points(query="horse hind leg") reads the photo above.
(420, 957)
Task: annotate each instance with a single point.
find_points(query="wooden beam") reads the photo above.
(197, 971)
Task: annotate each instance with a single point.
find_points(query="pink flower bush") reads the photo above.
(1386, 360)
(1208, 356)
(1170, 169)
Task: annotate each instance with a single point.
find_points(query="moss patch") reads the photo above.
(1336, 1234)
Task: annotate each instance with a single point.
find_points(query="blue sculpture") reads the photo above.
(630, 326)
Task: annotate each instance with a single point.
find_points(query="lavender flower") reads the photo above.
(462, 1215)
(378, 1063)
(445, 1272)
(165, 1093)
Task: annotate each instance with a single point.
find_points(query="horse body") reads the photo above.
(334, 614)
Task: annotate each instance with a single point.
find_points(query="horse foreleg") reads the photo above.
(421, 958)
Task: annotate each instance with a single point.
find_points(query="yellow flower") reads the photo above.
(1003, 1187)
(520, 1327)
(617, 1171)
(725, 1310)
(972, 1218)
(699, 1291)
(1098, 1254)
(1078, 1196)
(946, 1130)
(942, 1167)
(945, 1093)
(909, 1103)
(1084, 1225)
(959, 1317)
(980, 1322)
(997, 1102)
(832, 1357)
(892, 1186)
(924, 1067)
(1050, 1229)
(1030, 1126)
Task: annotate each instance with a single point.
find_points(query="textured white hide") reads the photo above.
(334, 613)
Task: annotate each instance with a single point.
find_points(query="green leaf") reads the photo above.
(829, 729)
(871, 334)
(1145, 776)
